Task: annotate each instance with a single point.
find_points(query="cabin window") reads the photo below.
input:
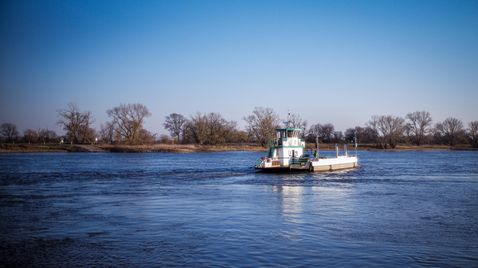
(290, 134)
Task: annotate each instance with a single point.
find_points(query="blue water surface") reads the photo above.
(214, 210)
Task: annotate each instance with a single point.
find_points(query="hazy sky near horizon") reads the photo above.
(329, 61)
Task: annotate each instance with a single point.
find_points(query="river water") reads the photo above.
(214, 210)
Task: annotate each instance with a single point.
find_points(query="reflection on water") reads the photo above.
(212, 209)
(291, 205)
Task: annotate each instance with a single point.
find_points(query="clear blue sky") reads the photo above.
(330, 61)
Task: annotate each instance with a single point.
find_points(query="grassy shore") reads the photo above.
(189, 148)
(176, 148)
(179, 148)
(370, 147)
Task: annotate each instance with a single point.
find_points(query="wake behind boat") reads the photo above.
(287, 154)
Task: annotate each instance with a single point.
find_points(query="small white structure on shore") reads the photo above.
(287, 154)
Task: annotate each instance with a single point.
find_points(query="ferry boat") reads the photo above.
(287, 154)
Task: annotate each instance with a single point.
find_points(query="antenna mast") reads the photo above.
(317, 145)
(287, 122)
(355, 140)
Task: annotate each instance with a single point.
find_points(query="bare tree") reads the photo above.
(364, 135)
(146, 137)
(77, 124)
(473, 133)
(165, 139)
(46, 135)
(198, 127)
(451, 129)
(392, 127)
(128, 121)
(373, 125)
(338, 136)
(107, 133)
(9, 132)
(350, 134)
(419, 125)
(175, 124)
(327, 132)
(296, 121)
(262, 124)
(314, 132)
(438, 134)
(324, 132)
(219, 128)
(210, 128)
(389, 129)
(30, 136)
(237, 136)
(187, 136)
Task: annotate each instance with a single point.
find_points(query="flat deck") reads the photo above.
(317, 165)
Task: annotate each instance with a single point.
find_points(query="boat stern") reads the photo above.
(268, 163)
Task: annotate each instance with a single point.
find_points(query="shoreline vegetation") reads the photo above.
(151, 148)
(211, 132)
(194, 148)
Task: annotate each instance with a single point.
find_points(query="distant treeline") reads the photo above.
(126, 126)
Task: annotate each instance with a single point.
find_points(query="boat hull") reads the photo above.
(331, 164)
(323, 168)
(315, 165)
(279, 169)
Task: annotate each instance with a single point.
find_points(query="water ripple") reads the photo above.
(214, 209)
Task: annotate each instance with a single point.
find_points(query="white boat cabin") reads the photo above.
(287, 146)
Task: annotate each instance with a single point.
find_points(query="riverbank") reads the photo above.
(398, 148)
(190, 148)
(93, 148)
